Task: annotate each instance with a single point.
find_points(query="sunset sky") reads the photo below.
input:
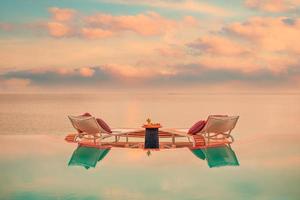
(94, 45)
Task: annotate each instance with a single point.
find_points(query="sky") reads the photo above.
(163, 45)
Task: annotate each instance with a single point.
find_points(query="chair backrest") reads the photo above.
(86, 124)
(222, 124)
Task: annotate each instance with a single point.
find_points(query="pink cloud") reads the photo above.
(102, 25)
(190, 20)
(135, 72)
(219, 45)
(147, 24)
(57, 29)
(62, 14)
(86, 72)
(171, 51)
(6, 26)
(239, 63)
(127, 71)
(96, 33)
(272, 34)
(259, 43)
(65, 71)
(273, 5)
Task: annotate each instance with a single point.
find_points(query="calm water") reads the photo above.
(34, 156)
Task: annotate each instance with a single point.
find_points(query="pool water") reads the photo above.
(34, 157)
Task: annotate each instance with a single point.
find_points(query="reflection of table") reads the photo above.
(151, 136)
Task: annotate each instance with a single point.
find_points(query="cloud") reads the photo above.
(133, 50)
(64, 71)
(52, 77)
(135, 77)
(57, 29)
(6, 26)
(259, 43)
(173, 51)
(147, 24)
(183, 5)
(278, 34)
(96, 33)
(103, 25)
(273, 5)
(62, 14)
(86, 72)
(218, 45)
(135, 72)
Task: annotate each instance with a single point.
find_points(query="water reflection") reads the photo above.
(35, 167)
(87, 156)
(215, 156)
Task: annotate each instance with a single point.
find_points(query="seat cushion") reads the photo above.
(103, 125)
(197, 127)
(219, 115)
(86, 114)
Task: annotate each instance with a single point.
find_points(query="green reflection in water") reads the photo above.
(87, 156)
(199, 153)
(217, 156)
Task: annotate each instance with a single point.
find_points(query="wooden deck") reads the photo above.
(135, 140)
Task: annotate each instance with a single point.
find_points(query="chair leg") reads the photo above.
(76, 138)
(173, 141)
(207, 138)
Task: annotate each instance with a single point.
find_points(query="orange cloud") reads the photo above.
(147, 24)
(106, 25)
(173, 51)
(137, 72)
(190, 20)
(57, 29)
(64, 71)
(96, 33)
(273, 5)
(127, 71)
(86, 72)
(260, 43)
(219, 45)
(245, 64)
(272, 34)
(62, 14)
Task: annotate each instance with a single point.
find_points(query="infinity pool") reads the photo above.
(34, 156)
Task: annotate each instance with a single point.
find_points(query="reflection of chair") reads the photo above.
(88, 128)
(87, 156)
(217, 156)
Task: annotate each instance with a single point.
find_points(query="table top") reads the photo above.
(152, 126)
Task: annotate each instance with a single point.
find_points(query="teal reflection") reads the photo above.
(87, 156)
(199, 153)
(217, 156)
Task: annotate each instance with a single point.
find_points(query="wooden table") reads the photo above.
(151, 136)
